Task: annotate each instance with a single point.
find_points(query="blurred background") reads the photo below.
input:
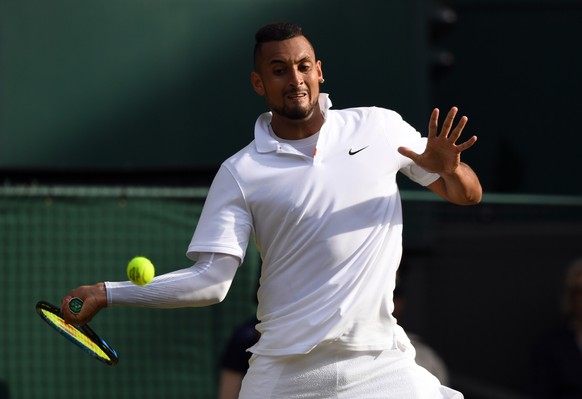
(115, 115)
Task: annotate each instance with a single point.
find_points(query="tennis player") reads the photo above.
(316, 189)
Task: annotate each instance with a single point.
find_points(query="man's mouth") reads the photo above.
(296, 95)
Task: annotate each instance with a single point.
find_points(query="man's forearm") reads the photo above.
(461, 187)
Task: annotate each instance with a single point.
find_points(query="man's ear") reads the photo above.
(257, 83)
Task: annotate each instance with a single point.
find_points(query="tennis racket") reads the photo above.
(82, 336)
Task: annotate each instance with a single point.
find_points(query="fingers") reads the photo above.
(447, 125)
(456, 133)
(68, 316)
(407, 152)
(94, 299)
(467, 144)
(433, 123)
(82, 316)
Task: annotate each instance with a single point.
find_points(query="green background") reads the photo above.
(145, 83)
(154, 87)
(51, 244)
(481, 284)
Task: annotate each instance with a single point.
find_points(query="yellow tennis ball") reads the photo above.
(140, 270)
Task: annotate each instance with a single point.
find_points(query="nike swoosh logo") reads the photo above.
(352, 152)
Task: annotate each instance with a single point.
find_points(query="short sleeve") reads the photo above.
(225, 223)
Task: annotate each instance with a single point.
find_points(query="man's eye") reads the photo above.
(278, 71)
(305, 68)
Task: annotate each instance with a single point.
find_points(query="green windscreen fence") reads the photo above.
(52, 240)
(475, 278)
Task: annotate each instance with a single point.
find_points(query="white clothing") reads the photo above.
(427, 358)
(328, 228)
(329, 372)
(205, 283)
(305, 146)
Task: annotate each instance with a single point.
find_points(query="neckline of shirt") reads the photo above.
(305, 146)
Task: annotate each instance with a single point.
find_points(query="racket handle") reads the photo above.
(75, 305)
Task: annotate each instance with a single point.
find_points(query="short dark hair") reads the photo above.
(275, 32)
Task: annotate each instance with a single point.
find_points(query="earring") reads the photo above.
(321, 80)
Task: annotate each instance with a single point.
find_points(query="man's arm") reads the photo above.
(230, 383)
(461, 187)
(204, 284)
(458, 183)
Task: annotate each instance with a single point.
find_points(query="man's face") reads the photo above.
(288, 75)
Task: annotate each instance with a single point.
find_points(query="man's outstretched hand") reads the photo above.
(442, 154)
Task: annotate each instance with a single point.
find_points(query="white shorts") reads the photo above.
(330, 372)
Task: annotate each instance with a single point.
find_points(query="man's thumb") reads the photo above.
(407, 152)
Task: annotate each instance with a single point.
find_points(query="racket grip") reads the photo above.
(75, 305)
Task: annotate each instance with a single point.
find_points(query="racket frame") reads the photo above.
(44, 306)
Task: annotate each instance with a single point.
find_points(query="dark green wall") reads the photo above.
(517, 75)
(51, 244)
(166, 84)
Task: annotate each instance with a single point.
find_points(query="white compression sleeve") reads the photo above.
(205, 283)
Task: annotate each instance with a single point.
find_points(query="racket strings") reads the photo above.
(75, 334)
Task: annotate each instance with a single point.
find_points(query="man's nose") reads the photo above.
(296, 78)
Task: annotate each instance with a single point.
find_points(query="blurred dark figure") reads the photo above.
(557, 357)
(235, 359)
(426, 356)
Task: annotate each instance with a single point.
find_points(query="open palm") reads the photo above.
(442, 154)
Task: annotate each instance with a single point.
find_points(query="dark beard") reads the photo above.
(294, 113)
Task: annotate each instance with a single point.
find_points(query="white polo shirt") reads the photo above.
(328, 227)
